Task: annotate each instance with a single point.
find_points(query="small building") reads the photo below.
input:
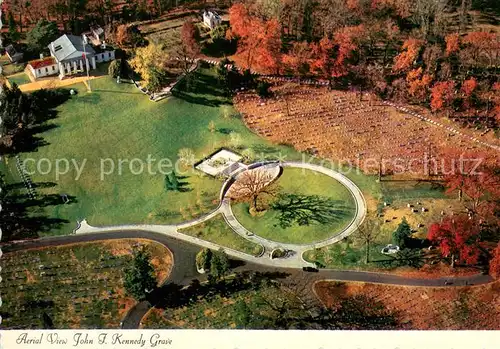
(221, 163)
(95, 35)
(43, 67)
(72, 55)
(14, 55)
(211, 19)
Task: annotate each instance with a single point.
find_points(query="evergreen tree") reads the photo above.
(140, 276)
(13, 33)
(42, 35)
(168, 183)
(174, 180)
(219, 265)
(243, 314)
(401, 234)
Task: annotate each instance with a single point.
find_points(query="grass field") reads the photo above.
(116, 122)
(426, 308)
(243, 309)
(307, 183)
(77, 286)
(19, 79)
(217, 231)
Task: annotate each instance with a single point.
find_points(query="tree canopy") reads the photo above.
(42, 34)
(140, 277)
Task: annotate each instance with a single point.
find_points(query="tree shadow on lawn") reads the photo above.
(198, 99)
(172, 295)
(308, 210)
(182, 186)
(27, 140)
(20, 216)
(21, 220)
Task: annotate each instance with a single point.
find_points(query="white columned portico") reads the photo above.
(93, 62)
(81, 65)
(61, 69)
(75, 68)
(87, 65)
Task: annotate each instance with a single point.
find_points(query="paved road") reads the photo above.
(184, 269)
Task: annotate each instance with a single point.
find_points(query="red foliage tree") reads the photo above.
(495, 263)
(347, 39)
(259, 41)
(323, 60)
(189, 37)
(442, 95)
(483, 43)
(299, 58)
(410, 50)
(474, 177)
(458, 239)
(468, 88)
(452, 43)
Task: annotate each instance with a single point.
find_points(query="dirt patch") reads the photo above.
(425, 308)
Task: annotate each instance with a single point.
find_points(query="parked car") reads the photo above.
(310, 269)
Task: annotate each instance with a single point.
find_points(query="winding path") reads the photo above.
(184, 270)
(184, 247)
(294, 260)
(299, 249)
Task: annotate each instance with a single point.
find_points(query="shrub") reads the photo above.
(203, 259)
(114, 69)
(401, 234)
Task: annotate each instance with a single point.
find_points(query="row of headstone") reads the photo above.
(26, 178)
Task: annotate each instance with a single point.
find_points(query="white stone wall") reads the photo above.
(105, 56)
(44, 71)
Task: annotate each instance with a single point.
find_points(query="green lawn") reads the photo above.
(217, 231)
(19, 79)
(307, 183)
(116, 122)
(347, 254)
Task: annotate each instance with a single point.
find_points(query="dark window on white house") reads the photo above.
(47, 70)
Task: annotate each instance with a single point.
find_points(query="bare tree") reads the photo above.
(252, 184)
(368, 233)
(428, 14)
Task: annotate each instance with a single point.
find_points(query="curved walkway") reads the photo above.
(184, 270)
(299, 249)
(295, 260)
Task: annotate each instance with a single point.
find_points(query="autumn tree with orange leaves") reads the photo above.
(442, 94)
(410, 50)
(418, 83)
(259, 41)
(298, 60)
(452, 43)
(484, 47)
(468, 89)
(474, 177)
